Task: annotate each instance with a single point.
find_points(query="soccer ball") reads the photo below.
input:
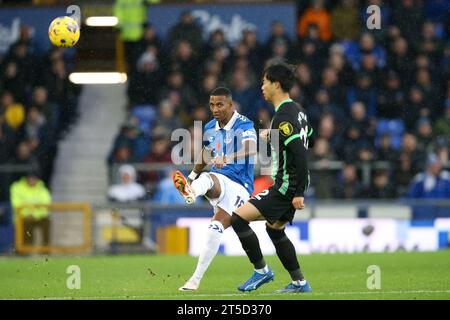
(64, 32)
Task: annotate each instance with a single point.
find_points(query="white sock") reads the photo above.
(214, 235)
(299, 282)
(202, 184)
(263, 270)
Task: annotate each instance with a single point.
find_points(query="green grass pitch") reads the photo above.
(332, 276)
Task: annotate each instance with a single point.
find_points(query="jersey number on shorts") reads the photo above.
(239, 202)
(261, 194)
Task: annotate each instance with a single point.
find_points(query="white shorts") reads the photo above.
(232, 195)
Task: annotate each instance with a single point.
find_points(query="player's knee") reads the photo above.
(239, 224)
(276, 235)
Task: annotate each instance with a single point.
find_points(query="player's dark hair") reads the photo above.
(221, 91)
(282, 73)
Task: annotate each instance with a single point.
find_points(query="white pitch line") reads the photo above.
(180, 296)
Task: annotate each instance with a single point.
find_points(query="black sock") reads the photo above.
(286, 252)
(249, 241)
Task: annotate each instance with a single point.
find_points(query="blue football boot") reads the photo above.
(293, 288)
(256, 280)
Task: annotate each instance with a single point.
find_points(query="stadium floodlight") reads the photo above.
(97, 77)
(105, 21)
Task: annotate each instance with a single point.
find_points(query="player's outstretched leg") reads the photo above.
(262, 273)
(220, 221)
(286, 253)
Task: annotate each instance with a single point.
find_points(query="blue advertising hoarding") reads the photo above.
(231, 18)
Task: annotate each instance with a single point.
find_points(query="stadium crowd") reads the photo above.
(38, 104)
(371, 95)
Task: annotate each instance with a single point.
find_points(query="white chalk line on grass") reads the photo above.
(241, 295)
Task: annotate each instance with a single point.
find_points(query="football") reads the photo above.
(64, 32)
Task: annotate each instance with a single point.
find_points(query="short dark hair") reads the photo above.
(221, 91)
(282, 73)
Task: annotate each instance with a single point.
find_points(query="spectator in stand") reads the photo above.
(167, 118)
(408, 16)
(12, 81)
(187, 29)
(404, 172)
(344, 20)
(385, 151)
(217, 41)
(209, 82)
(321, 106)
(24, 156)
(245, 94)
(424, 135)
(400, 58)
(431, 184)
(365, 92)
(442, 125)
(145, 83)
(186, 98)
(309, 53)
(322, 180)
(431, 95)
(369, 67)
(122, 154)
(318, 15)
(184, 60)
(415, 108)
(202, 114)
(336, 91)
(160, 154)
(355, 51)
(338, 62)
(127, 189)
(409, 148)
(49, 110)
(348, 186)
(381, 188)
(391, 100)
(354, 139)
(277, 32)
(255, 50)
(151, 39)
(279, 50)
(305, 81)
(130, 145)
(329, 130)
(442, 148)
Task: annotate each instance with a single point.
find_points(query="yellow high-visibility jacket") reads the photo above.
(23, 194)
